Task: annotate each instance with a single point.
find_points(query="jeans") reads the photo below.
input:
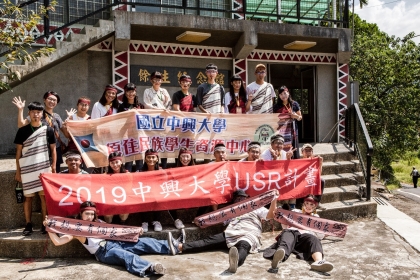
(127, 253)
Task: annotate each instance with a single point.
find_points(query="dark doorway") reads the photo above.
(300, 80)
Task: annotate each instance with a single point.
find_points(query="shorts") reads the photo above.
(33, 194)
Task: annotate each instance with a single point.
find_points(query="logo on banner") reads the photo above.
(263, 133)
(86, 143)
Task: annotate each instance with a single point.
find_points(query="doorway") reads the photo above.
(300, 80)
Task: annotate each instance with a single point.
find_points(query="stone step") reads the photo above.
(343, 179)
(336, 157)
(334, 194)
(348, 210)
(338, 167)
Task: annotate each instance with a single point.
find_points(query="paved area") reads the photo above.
(370, 250)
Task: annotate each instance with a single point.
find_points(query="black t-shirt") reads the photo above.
(25, 131)
(179, 96)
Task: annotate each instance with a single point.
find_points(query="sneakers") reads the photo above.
(320, 207)
(43, 230)
(179, 224)
(322, 266)
(145, 227)
(158, 268)
(233, 259)
(278, 257)
(173, 244)
(28, 230)
(157, 226)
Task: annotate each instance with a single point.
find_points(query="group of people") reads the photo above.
(39, 150)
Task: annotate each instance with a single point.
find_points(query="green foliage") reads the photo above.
(16, 39)
(403, 168)
(388, 69)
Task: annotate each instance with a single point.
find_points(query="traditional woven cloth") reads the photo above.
(262, 102)
(34, 160)
(212, 100)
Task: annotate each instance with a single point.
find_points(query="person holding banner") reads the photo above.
(236, 101)
(260, 93)
(157, 98)
(286, 106)
(305, 244)
(131, 102)
(73, 161)
(107, 105)
(183, 100)
(34, 142)
(117, 252)
(115, 166)
(210, 95)
(242, 236)
(254, 152)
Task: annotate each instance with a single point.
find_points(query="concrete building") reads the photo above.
(146, 37)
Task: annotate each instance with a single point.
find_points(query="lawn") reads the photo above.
(402, 170)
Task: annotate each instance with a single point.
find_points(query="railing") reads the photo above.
(88, 12)
(358, 136)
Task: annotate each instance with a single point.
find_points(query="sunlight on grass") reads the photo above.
(402, 170)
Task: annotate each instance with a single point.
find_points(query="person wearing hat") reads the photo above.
(73, 161)
(275, 151)
(210, 95)
(242, 236)
(254, 152)
(415, 175)
(308, 152)
(260, 93)
(304, 244)
(157, 98)
(183, 100)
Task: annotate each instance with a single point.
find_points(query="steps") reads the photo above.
(341, 172)
(76, 43)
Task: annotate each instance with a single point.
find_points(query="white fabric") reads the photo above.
(263, 104)
(157, 99)
(211, 100)
(319, 235)
(99, 110)
(34, 161)
(93, 244)
(248, 228)
(228, 99)
(266, 155)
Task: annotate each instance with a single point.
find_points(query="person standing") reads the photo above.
(183, 100)
(260, 93)
(210, 95)
(415, 175)
(73, 161)
(157, 98)
(236, 101)
(107, 105)
(35, 143)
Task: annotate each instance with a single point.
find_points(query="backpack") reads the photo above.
(415, 173)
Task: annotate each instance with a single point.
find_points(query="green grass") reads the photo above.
(402, 170)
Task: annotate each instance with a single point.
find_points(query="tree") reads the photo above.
(16, 39)
(388, 69)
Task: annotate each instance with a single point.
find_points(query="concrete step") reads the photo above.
(336, 157)
(348, 210)
(338, 167)
(334, 194)
(343, 179)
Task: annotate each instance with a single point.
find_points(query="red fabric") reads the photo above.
(186, 104)
(232, 106)
(191, 186)
(109, 112)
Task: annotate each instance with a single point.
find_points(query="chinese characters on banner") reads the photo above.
(140, 75)
(234, 210)
(135, 131)
(311, 223)
(175, 188)
(92, 229)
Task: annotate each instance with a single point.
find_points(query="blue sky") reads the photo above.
(395, 17)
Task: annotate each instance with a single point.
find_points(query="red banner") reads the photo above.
(235, 210)
(178, 188)
(92, 229)
(307, 222)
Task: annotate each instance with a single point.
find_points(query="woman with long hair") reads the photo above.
(118, 252)
(83, 105)
(115, 166)
(236, 101)
(287, 106)
(107, 105)
(131, 102)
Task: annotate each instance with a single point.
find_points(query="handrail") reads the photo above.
(358, 136)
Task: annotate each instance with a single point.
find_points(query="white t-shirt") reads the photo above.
(253, 87)
(157, 99)
(266, 155)
(99, 110)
